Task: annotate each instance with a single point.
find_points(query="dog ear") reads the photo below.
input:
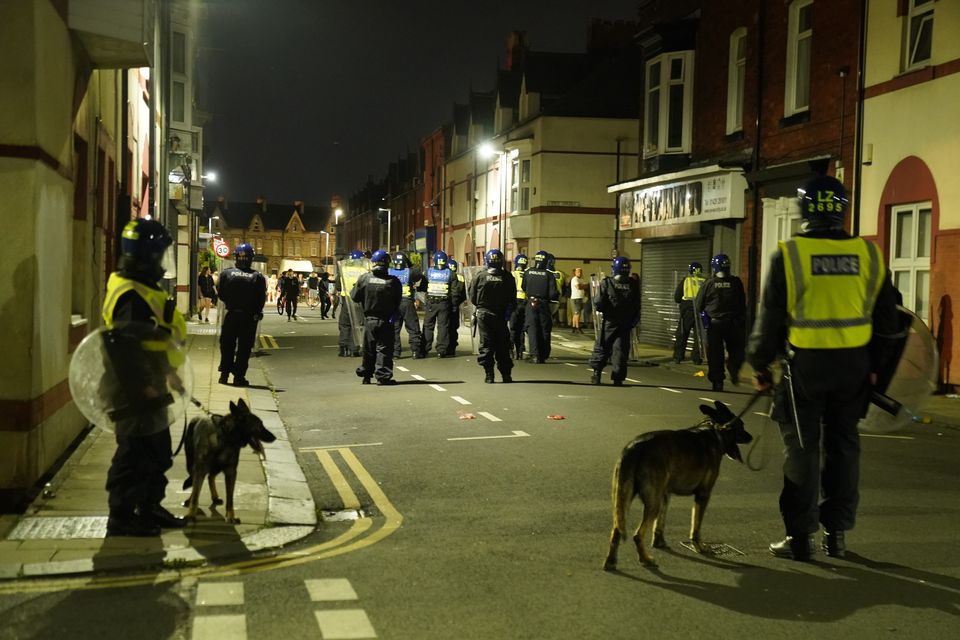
(241, 405)
(723, 409)
(708, 411)
(233, 407)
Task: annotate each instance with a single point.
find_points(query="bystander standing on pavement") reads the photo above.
(271, 287)
(313, 290)
(578, 297)
(206, 293)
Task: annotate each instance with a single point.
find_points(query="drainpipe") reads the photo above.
(753, 271)
(616, 206)
(858, 135)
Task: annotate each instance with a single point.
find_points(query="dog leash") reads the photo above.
(183, 434)
(759, 437)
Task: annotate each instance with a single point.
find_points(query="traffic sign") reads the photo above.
(222, 249)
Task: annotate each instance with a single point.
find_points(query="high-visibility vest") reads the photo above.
(691, 286)
(518, 278)
(832, 287)
(438, 282)
(351, 272)
(403, 275)
(559, 277)
(156, 299)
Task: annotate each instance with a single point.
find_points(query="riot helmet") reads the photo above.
(380, 259)
(243, 255)
(720, 263)
(453, 265)
(146, 250)
(494, 259)
(620, 267)
(356, 254)
(551, 262)
(540, 259)
(440, 260)
(520, 262)
(400, 260)
(823, 203)
(695, 268)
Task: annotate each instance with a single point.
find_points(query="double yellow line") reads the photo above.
(268, 342)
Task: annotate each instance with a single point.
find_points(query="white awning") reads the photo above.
(300, 266)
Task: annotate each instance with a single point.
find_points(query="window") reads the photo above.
(313, 248)
(910, 256)
(177, 108)
(799, 41)
(276, 247)
(514, 184)
(179, 54)
(668, 104)
(296, 248)
(919, 34)
(259, 245)
(736, 79)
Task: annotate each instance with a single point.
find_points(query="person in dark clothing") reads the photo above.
(290, 289)
(378, 293)
(493, 293)
(828, 309)
(348, 272)
(458, 295)
(540, 287)
(723, 304)
(684, 296)
(439, 285)
(324, 293)
(207, 291)
(618, 299)
(518, 331)
(244, 292)
(136, 481)
(410, 277)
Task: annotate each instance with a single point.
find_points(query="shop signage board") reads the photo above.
(712, 197)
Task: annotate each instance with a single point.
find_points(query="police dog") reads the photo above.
(683, 462)
(212, 445)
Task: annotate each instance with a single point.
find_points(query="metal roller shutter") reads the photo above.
(662, 266)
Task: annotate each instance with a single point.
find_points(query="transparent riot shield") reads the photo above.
(468, 317)
(594, 296)
(350, 271)
(912, 381)
(699, 330)
(131, 379)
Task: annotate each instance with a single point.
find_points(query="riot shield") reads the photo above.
(467, 309)
(350, 271)
(913, 379)
(699, 330)
(131, 379)
(594, 296)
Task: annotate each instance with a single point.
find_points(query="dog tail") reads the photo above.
(188, 452)
(621, 495)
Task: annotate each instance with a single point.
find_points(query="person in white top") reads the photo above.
(578, 296)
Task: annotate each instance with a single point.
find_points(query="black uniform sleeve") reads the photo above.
(474, 287)
(635, 302)
(702, 295)
(396, 293)
(603, 297)
(678, 294)
(359, 289)
(261, 294)
(741, 301)
(769, 336)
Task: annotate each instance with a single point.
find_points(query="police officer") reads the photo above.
(557, 307)
(619, 301)
(540, 287)
(438, 287)
(458, 295)
(244, 292)
(410, 277)
(684, 296)
(378, 293)
(517, 328)
(136, 481)
(723, 304)
(830, 295)
(350, 272)
(493, 293)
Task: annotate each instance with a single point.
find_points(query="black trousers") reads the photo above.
(612, 346)
(136, 477)
(437, 315)
(454, 332)
(725, 346)
(822, 452)
(346, 329)
(494, 342)
(409, 319)
(687, 324)
(377, 349)
(539, 324)
(518, 329)
(236, 341)
(291, 305)
(324, 304)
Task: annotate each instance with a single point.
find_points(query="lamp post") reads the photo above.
(326, 253)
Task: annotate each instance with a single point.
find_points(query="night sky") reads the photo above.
(309, 97)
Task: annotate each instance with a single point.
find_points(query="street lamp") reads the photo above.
(389, 220)
(212, 176)
(326, 253)
(336, 216)
(210, 220)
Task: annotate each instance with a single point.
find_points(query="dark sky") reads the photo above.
(308, 97)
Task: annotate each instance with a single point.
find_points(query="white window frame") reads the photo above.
(794, 38)
(915, 11)
(911, 265)
(655, 142)
(736, 80)
(276, 247)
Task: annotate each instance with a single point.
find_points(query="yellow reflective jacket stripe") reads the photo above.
(691, 286)
(156, 299)
(518, 278)
(832, 287)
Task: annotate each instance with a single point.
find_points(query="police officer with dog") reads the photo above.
(136, 480)
(493, 294)
(723, 307)
(410, 277)
(517, 319)
(244, 292)
(540, 287)
(618, 300)
(379, 294)
(830, 295)
(439, 287)
(684, 296)
(349, 272)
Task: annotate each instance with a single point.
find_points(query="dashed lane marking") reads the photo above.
(330, 590)
(344, 623)
(437, 387)
(670, 390)
(489, 416)
(516, 434)
(569, 364)
(216, 627)
(461, 400)
(632, 380)
(880, 435)
(218, 594)
(404, 369)
(761, 414)
(416, 377)
(706, 399)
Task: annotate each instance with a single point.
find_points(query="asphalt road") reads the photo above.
(496, 526)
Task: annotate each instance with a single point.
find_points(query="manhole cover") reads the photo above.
(60, 528)
(715, 549)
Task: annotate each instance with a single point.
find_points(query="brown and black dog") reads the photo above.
(212, 445)
(683, 462)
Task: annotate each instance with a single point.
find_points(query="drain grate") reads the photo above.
(37, 528)
(343, 516)
(715, 549)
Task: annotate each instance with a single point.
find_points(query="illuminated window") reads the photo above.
(799, 42)
(668, 104)
(177, 102)
(919, 34)
(911, 228)
(313, 248)
(736, 79)
(276, 247)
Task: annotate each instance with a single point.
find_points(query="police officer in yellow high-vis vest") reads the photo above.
(830, 295)
(136, 481)
(518, 319)
(684, 296)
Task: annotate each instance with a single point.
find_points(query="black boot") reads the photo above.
(595, 378)
(130, 524)
(800, 548)
(160, 517)
(834, 544)
(224, 377)
(488, 378)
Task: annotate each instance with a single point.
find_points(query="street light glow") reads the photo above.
(486, 150)
(211, 176)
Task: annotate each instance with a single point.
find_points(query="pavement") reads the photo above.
(63, 531)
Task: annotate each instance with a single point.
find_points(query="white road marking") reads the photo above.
(404, 369)
(344, 624)
(340, 446)
(516, 434)
(879, 435)
(217, 627)
(670, 390)
(330, 589)
(461, 400)
(437, 387)
(489, 416)
(569, 364)
(707, 399)
(416, 377)
(632, 380)
(761, 414)
(215, 594)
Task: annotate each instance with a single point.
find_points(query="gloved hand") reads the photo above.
(762, 380)
(258, 317)
(705, 319)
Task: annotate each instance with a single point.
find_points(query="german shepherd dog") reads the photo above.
(213, 446)
(682, 462)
